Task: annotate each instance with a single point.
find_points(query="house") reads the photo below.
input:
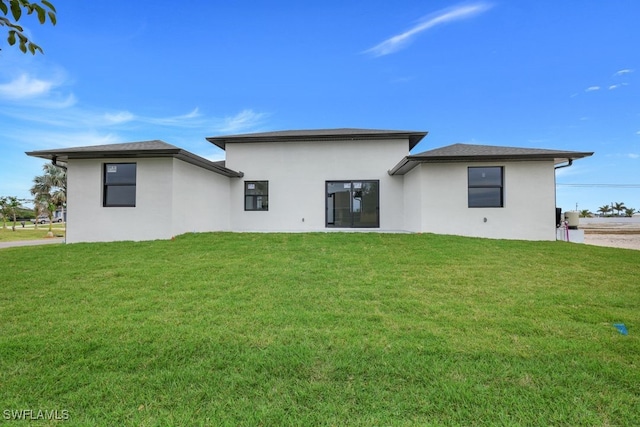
(310, 180)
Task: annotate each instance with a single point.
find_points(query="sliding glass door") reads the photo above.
(352, 204)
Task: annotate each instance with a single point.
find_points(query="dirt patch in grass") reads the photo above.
(625, 236)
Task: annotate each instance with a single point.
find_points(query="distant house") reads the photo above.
(310, 180)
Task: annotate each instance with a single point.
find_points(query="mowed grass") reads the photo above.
(29, 232)
(321, 329)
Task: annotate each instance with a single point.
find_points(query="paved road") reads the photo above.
(51, 241)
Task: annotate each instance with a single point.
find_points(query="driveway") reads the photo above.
(51, 241)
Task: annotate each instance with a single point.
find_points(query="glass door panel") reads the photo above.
(352, 204)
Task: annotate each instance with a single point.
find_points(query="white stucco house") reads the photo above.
(310, 180)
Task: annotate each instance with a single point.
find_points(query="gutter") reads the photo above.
(54, 162)
(565, 166)
(399, 166)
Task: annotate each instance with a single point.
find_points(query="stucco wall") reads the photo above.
(413, 199)
(172, 197)
(200, 199)
(89, 221)
(297, 173)
(529, 201)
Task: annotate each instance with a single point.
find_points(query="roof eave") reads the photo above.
(177, 153)
(556, 157)
(410, 162)
(413, 137)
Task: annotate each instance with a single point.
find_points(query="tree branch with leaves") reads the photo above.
(14, 10)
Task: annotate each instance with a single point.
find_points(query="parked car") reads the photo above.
(45, 220)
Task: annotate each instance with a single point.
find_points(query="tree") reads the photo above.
(39, 209)
(618, 207)
(14, 9)
(4, 211)
(9, 207)
(50, 190)
(604, 209)
(629, 212)
(585, 213)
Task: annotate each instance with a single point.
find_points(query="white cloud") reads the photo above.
(633, 156)
(244, 120)
(182, 120)
(25, 86)
(118, 118)
(638, 132)
(592, 88)
(444, 16)
(42, 139)
(623, 72)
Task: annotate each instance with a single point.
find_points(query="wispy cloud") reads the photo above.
(37, 139)
(612, 87)
(592, 88)
(188, 119)
(28, 90)
(633, 156)
(25, 86)
(243, 121)
(444, 16)
(623, 72)
(119, 117)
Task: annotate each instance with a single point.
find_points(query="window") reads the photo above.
(485, 187)
(256, 195)
(352, 204)
(119, 185)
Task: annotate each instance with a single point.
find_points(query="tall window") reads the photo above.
(486, 185)
(256, 195)
(353, 204)
(119, 185)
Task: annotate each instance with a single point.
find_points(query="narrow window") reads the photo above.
(256, 195)
(486, 187)
(119, 185)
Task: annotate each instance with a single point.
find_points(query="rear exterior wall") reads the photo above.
(172, 197)
(297, 173)
(441, 206)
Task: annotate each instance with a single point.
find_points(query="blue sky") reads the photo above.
(542, 74)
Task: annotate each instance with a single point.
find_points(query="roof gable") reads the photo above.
(319, 135)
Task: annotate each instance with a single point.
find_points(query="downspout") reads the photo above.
(565, 166)
(54, 162)
(566, 224)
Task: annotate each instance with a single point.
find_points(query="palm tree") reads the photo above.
(13, 204)
(585, 213)
(629, 212)
(604, 209)
(618, 207)
(50, 190)
(4, 210)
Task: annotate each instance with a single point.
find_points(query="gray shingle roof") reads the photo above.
(483, 153)
(155, 148)
(319, 135)
(471, 150)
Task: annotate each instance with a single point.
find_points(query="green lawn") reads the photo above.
(320, 329)
(29, 232)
